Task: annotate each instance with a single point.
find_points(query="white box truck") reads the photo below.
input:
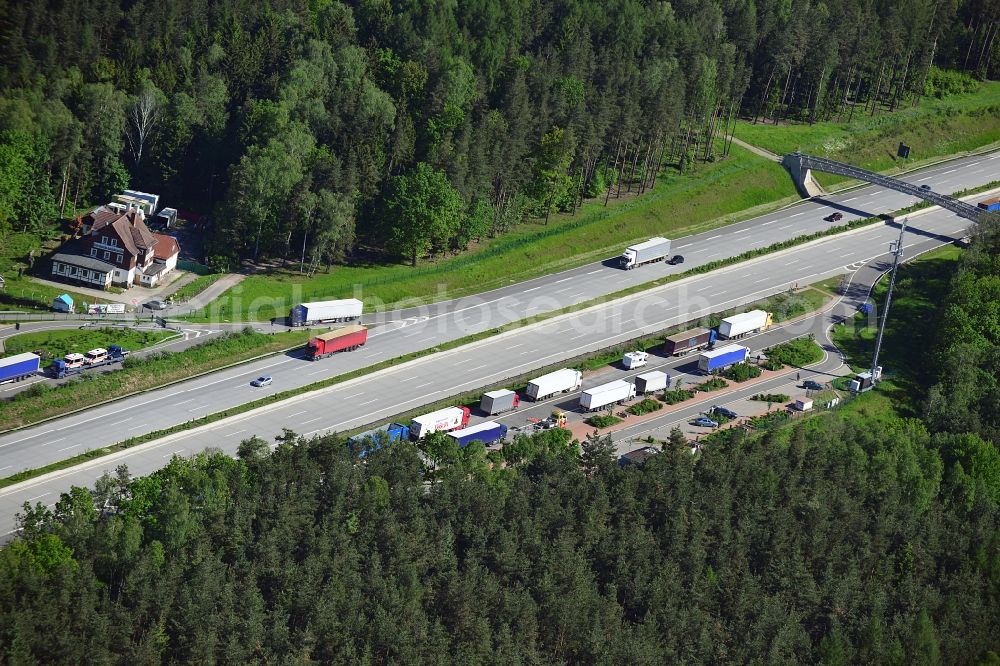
(442, 420)
(743, 324)
(560, 381)
(655, 249)
(323, 312)
(650, 382)
(635, 359)
(612, 393)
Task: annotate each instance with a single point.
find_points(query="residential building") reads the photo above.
(116, 249)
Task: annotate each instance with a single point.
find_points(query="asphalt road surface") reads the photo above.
(378, 396)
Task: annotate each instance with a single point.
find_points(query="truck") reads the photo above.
(744, 324)
(442, 420)
(497, 402)
(723, 357)
(991, 205)
(612, 393)
(73, 364)
(651, 381)
(488, 432)
(18, 367)
(655, 249)
(688, 341)
(347, 338)
(372, 440)
(636, 359)
(326, 312)
(560, 381)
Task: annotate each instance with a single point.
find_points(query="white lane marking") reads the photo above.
(54, 441)
(311, 420)
(920, 180)
(316, 372)
(773, 221)
(184, 402)
(68, 448)
(516, 346)
(368, 402)
(532, 289)
(174, 453)
(236, 433)
(851, 199)
(592, 272)
(295, 414)
(790, 216)
(32, 499)
(714, 237)
(136, 427)
(464, 360)
(423, 385)
(24, 438)
(120, 422)
(563, 280)
(950, 170)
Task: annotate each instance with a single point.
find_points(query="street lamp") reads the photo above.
(897, 252)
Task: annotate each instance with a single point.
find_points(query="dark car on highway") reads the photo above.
(676, 259)
(834, 217)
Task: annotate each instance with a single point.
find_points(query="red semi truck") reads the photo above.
(342, 339)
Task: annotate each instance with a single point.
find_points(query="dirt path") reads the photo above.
(766, 154)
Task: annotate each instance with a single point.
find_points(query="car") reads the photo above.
(811, 385)
(725, 411)
(706, 422)
(925, 187)
(834, 217)
(676, 259)
(155, 305)
(263, 380)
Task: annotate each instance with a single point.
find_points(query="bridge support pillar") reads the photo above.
(803, 177)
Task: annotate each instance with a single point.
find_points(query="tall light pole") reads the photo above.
(897, 252)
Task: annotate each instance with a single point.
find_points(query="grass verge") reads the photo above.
(936, 128)
(58, 343)
(917, 299)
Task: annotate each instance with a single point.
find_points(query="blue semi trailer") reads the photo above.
(372, 440)
(723, 357)
(18, 367)
(488, 432)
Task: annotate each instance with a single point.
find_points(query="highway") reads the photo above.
(380, 395)
(406, 387)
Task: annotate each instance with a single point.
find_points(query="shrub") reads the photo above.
(741, 372)
(770, 420)
(713, 384)
(677, 395)
(645, 407)
(800, 352)
(603, 421)
(778, 398)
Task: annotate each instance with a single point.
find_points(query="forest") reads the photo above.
(314, 131)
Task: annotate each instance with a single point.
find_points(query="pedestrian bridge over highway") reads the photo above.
(801, 167)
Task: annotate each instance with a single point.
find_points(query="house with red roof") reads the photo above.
(116, 248)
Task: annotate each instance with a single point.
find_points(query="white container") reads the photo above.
(655, 249)
(559, 381)
(804, 404)
(448, 418)
(635, 359)
(346, 309)
(742, 324)
(606, 394)
(650, 382)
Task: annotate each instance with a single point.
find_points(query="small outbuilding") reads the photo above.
(62, 303)
(804, 404)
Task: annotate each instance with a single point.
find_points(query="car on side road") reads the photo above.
(925, 187)
(263, 380)
(834, 217)
(155, 305)
(725, 411)
(705, 422)
(811, 385)
(675, 260)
